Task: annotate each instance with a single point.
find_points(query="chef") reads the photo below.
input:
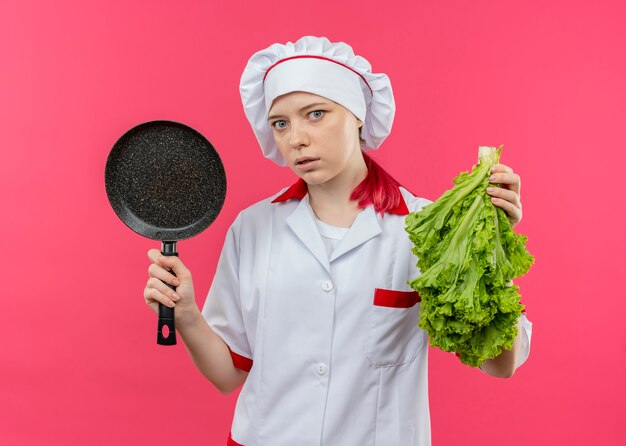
(309, 308)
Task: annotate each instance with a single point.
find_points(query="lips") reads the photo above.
(305, 160)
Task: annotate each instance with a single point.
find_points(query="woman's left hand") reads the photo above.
(507, 196)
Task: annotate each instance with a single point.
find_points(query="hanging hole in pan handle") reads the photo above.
(166, 332)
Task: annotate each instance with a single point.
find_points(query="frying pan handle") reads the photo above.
(166, 314)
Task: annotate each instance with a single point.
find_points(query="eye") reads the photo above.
(280, 124)
(316, 114)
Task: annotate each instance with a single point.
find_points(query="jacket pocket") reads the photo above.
(394, 337)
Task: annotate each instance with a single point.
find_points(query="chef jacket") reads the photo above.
(332, 344)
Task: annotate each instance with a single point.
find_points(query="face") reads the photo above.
(318, 138)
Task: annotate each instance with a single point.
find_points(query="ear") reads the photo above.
(359, 123)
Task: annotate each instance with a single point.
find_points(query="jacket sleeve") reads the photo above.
(527, 330)
(222, 308)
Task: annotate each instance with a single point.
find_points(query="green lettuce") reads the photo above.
(467, 255)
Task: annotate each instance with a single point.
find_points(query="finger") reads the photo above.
(512, 212)
(501, 168)
(162, 274)
(154, 255)
(176, 265)
(151, 295)
(511, 181)
(170, 263)
(505, 194)
(162, 288)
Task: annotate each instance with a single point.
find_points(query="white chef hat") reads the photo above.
(315, 65)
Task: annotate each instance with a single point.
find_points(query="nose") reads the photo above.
(298, 137)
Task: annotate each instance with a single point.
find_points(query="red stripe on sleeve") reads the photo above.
(232, 442)
(241, 362)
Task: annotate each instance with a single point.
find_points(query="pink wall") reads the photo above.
(79, 363)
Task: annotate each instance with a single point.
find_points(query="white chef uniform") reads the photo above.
(332, 344)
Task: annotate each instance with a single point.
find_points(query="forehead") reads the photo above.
(295, 101)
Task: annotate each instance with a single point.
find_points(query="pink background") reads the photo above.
(79, 362)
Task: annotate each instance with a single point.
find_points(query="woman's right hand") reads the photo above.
(157, 291)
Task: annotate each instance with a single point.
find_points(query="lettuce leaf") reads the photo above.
(468, 254)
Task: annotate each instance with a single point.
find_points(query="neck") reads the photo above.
(331, 200)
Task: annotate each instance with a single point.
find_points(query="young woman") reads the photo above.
(309, 307)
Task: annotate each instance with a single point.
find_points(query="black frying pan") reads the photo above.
(166, 182)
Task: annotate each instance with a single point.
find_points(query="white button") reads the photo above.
(327, 286)
(321, 369)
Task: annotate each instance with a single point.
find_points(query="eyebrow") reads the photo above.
(315, 104)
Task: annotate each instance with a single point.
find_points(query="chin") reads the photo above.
(313, 178)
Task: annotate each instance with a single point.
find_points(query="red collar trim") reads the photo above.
(401, 209)
(298, 190)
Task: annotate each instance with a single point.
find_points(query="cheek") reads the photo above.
(348, 137)
(281, 144)
(350, 129)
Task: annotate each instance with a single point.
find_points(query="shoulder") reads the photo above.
(257, 214)
(413, 202)
(253, 223)
(260, 208)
